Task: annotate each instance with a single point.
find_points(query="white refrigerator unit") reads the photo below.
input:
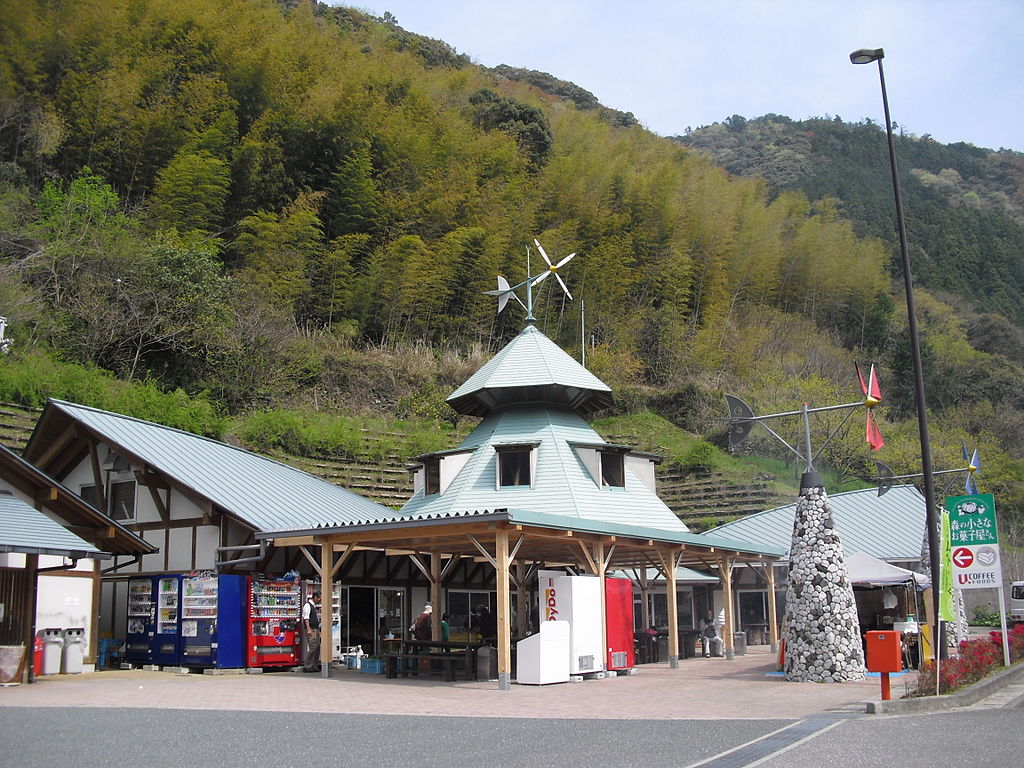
(577, 600)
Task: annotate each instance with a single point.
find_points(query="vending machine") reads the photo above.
(213, 620)
(273, 638)
(618, 613)
(166, 648)
(141, 623)
(577, 600)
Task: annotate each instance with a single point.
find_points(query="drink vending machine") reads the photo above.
(141, 624)
(618, 615)
(273, 638)
(577, 600)
(165, 648)
(212, 620)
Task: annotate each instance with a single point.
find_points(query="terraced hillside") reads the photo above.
(701, 501)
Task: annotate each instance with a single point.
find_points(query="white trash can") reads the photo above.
(74, 651)
(53, 647)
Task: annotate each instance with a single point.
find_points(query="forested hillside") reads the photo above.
(270, 207)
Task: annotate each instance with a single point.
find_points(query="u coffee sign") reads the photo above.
(974, 541)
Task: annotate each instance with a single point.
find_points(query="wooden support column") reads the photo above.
(504, 613)
(602, 569)
(94, 630)
(326, 605)
(773, 624)
(436, 595)
(29, 672)
(725, 573)
(645, 598)
(668, 565)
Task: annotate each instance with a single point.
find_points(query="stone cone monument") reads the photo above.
(822, 634)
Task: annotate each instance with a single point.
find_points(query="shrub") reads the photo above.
(977, 659)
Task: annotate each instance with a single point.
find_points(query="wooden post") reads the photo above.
(326, 608)
(504, 612)
(94, 631)
(29, 672)
(673, 611)
(523, 612)
(645, 599)
(725, 569)
(436, 599)
(773, 623)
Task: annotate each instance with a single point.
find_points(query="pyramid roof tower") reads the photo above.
(531, 369)
(534, 451)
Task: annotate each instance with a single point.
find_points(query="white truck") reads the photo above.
(1016, 613)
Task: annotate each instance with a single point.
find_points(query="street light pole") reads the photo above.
(866, 56)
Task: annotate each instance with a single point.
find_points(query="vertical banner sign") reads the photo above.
(974, 542)
(947, 612)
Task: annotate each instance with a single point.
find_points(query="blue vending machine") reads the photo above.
(141, 624)
(166, 644)
(213, 620)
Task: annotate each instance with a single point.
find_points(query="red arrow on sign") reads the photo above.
(962, 557)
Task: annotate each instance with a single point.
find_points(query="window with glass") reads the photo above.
(613, 470)
(514, 467)
(88, 494)
(122, 500)
(432, 477)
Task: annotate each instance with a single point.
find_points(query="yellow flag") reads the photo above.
(946, 610)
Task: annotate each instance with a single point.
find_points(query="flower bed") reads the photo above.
(976, 659)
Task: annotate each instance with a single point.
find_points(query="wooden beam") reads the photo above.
(590, 560)
(345, 555)
(487, 555)
(414, 558)
(326, 603)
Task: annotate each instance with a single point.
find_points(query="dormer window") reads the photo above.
(613, 470)
(432, 476)
(436, 471)
(516, 464)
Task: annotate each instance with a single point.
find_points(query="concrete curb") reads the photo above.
(972, 694)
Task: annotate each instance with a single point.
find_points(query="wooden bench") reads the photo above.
(393, 665)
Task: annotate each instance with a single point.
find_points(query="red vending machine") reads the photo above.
(274, 638)
(618, 602)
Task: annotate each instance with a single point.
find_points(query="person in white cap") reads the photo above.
(421, 628)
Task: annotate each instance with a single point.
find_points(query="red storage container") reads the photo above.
(884, 651)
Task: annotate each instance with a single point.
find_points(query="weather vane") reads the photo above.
(886, 477)
(741, 420)
(504, 290)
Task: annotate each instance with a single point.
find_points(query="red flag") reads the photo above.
(872, 434)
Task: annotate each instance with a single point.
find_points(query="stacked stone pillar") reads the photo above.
(822, 633)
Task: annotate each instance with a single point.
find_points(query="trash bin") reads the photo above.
(12, 657)
(53, 646)
(687, 643)
(739, 643)
(486, 663)
(74, 651)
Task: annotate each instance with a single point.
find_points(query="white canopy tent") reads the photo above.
(867, 570)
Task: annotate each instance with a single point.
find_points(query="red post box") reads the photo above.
(885, 655)
(885, 651)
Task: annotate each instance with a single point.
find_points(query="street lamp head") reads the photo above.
(867, 55)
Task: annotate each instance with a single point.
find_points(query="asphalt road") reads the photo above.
(154, 738)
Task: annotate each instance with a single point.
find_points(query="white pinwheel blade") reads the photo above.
(561, 282)
(540, 278)
(564, 261)
(541, 249)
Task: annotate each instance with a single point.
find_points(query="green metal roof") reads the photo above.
(889, 527)
(537, 519)
(531, 369)
(266, 494)
(24, 529)
(562, 485)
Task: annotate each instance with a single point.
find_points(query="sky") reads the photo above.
(953, 68)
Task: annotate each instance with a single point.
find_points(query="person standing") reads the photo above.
(311, 632)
